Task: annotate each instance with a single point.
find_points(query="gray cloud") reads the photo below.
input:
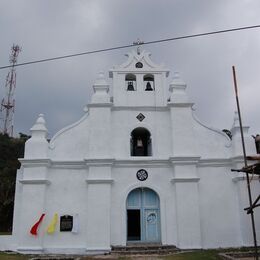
(60, 89)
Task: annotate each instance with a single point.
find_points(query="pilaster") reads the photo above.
(183, 138)
(98, 222)
(237, 141)
(185, 184)
(100, 120)
(34, 181)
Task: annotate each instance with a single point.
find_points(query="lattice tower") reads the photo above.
(8, 102)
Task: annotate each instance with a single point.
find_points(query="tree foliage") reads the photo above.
(10, 150)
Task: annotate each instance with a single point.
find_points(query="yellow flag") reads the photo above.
(52, 226)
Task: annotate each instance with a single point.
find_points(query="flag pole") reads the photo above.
(245, 162)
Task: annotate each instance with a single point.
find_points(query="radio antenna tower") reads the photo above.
(8, 102)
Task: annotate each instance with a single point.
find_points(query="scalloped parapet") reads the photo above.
(212, 143)
(210, 128)
(143, 58)
(66, 129)
(139, 81)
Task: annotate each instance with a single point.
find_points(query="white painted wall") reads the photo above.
(87, 169)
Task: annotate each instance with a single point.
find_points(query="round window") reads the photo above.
(139, 65)
(142, 175)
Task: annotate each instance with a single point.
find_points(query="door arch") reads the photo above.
(143, 216)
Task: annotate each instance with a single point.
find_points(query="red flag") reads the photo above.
(34, 228)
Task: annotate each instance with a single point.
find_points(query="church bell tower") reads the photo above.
(139, 82)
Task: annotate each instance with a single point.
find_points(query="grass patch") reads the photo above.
(195, 255)
(13, 256)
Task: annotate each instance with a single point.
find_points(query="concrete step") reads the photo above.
(144, 249)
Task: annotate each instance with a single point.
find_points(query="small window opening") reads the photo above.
(130, 80)
(141, 144)
(149, 82)
(139, 65)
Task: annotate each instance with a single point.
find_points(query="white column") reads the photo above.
(34, 184)
(185, 184)
(100, 120)
(34, 173)
(183, 138)
(99, 203)
(237, 142)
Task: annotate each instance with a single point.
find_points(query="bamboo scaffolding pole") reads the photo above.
(245, 162)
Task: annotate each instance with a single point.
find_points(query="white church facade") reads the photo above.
(138, 167)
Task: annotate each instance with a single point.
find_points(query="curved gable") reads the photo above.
(71, 142)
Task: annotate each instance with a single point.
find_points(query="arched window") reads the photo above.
(148, 82)
(130, 81)
(141, 143)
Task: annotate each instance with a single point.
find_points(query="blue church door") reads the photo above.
(143, 216)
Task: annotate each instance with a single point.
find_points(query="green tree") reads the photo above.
(10, 150)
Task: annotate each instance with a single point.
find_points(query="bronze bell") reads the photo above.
(148, 87)
(130, 86)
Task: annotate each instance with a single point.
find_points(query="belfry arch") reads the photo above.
(130, 80)
(148, 82)
(140, 142)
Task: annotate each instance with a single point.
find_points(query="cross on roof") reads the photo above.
(138, 42)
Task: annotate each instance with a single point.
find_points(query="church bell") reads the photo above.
(148, 87)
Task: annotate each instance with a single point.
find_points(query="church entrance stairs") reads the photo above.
(144, 249)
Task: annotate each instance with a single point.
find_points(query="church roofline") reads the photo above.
(65, 129)
(134, 57)
(218, 131)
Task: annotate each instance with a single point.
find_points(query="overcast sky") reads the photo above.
(60, 89)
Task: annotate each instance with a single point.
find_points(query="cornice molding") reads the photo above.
(99, 161)
(237, 159)
(132, 162)
(188, 104)
(238, 178)
(35, 162)
(100, 105)
(216, 162)
(187, 179)
(68, 164)
(140, 108)
(99, 181)
(144, 161)
(184, 160)
(242, 177)
(35, 181)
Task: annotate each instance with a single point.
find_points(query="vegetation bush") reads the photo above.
(10, 150)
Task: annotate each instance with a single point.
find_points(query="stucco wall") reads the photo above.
(87, 169)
